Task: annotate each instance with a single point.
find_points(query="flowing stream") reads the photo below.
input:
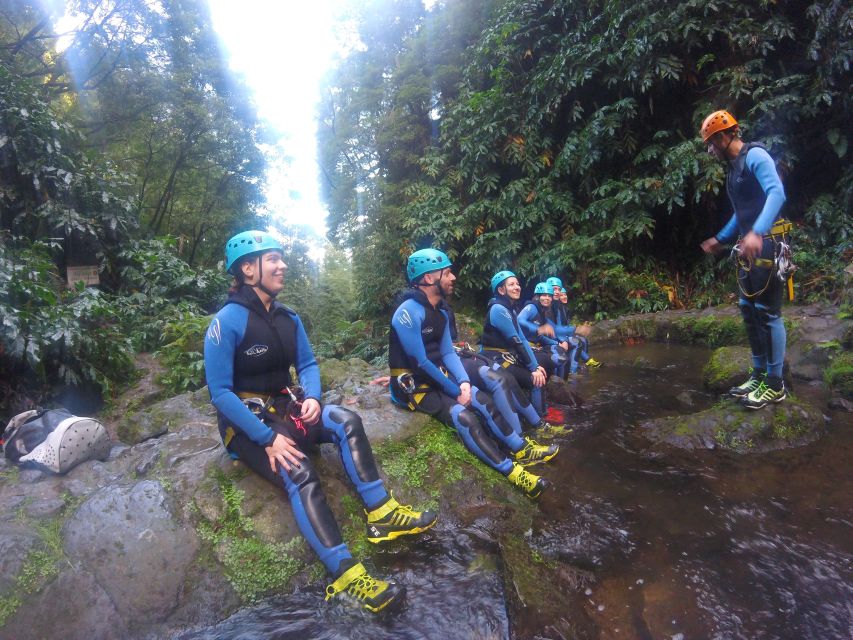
(677, 545)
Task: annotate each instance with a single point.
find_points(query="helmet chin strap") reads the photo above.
(259, 284)
(436, 284)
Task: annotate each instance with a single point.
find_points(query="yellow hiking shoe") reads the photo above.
(373, 594)
(532, 485)
(592, 363)
(393, 520)
(535, 453)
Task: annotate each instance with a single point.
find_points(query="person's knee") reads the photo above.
(347, 422)
(304, 475)
(468, 420)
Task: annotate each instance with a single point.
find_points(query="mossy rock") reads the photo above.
(709, 330)
(728, 426)
(726, 368)
(839, 374)
(332, 370)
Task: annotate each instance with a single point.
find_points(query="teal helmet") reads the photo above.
(554, 281)
(499, 277)
(426, 260)
(543, 288)
(247, 243)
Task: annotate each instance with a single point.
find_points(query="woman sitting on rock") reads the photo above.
(248, 351)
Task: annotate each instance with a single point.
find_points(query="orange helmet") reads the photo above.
(717, 121)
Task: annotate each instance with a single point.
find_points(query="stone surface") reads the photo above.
(726, 368)
(729, 426)
(127, 536)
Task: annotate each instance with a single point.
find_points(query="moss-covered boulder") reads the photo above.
(729, 426)
(726, 368)
(839, 374)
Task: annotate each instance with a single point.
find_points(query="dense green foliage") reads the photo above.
(561, 137)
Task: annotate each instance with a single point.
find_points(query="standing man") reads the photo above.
(757, 195)
(427, 375)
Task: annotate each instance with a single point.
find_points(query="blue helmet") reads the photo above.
(554, 281)
(543, 288)
(247, 243)
(426, 260)
(499, 277)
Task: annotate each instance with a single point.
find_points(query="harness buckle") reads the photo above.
(406, 382)
(508, 357)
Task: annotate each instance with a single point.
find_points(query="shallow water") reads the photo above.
(699, 545)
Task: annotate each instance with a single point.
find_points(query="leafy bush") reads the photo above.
(52, 335)
(182, 353)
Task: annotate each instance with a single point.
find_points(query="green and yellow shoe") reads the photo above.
(753, 382)
(764, 395)
(592, 363)
(535, 453)
(393, 520)
(373, 594)
(531, 484)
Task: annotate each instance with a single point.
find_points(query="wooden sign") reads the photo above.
(88, 274)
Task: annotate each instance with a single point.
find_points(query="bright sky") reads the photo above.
(283, 48)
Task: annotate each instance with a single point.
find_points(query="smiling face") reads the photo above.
(511, 288)
(545, 300)
(267, 270)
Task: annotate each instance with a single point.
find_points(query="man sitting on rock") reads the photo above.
(427, 375)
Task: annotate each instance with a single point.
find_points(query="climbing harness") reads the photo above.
(782, 261)
(262, 408)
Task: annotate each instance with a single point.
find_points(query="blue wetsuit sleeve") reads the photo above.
(548, 339)
(407, 323)
(525, 321)
(306, 364)
(220, 342)
(450, 357)
(764, 169)
(729, 232)
(501, 320)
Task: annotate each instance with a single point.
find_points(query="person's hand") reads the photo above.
(310, 411)
(465, 396)
(284, 451)
(711, 245)
(564, 345)
(751, 244)
(583, 330)
(382, 381)
(545, 330)
(539, 378)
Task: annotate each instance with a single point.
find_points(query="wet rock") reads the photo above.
(16, 540)
(727, 367)
(168, 414)
(138, 552)
(841, 404)
(79, 608)
(729, 426)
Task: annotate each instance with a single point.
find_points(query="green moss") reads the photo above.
(255, 567)
(789, 427)
(711, 331)
(10, 474)
(41, 565)
(725, 362)
(434, 457)
(637, 328)
(839, 373)
(354, 530)
(252, 566)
